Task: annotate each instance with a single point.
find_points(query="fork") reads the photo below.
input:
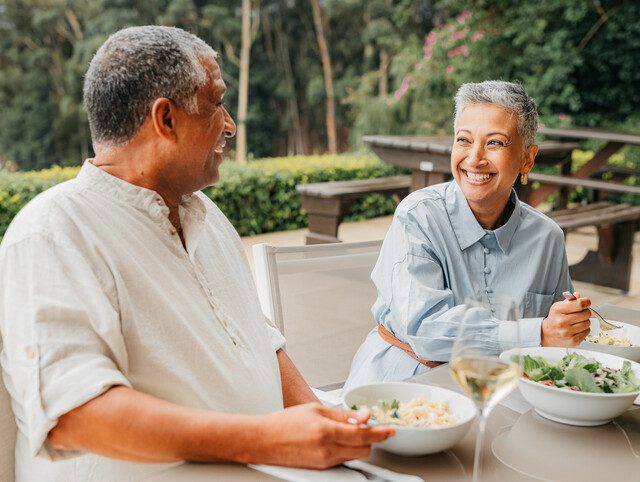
(364, 472)
(604, 324)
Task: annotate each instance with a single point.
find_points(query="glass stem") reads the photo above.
(477, 457)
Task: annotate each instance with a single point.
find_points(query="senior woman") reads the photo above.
(467, 238)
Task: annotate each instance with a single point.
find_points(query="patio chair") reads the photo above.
(7, 433)
(319, 296)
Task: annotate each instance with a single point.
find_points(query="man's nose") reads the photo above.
(229, 125)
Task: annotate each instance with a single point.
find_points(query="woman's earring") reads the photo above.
(524, 178)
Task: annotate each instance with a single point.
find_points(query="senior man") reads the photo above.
(132, 330)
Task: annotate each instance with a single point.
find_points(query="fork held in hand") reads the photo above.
(604, 324)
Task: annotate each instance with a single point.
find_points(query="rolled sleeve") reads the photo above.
(276, 339)
(50, 396)
(62, 339)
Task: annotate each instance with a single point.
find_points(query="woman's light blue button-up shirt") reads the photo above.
(435, 256)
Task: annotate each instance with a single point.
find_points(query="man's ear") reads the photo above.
(163, 118)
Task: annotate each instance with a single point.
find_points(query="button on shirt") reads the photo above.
(96, 291)
(436, 255)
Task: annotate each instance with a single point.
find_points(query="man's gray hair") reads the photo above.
(508, 95)
(132, 69)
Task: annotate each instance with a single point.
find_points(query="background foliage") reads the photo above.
(257, 197)
(396, 65)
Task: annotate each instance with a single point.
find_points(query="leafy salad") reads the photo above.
(579, 373)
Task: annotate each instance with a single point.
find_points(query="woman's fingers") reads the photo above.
(579, 337)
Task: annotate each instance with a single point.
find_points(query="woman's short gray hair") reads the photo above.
(508, 95)
(132, 69)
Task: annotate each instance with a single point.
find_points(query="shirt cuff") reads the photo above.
(530, 333)
(276, 339)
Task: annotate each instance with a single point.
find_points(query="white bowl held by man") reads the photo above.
(415, 441)
(630, 332)
(569, 406)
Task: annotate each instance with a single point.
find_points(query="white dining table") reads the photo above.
(520, 445)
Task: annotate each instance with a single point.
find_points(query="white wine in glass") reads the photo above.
(483, 377)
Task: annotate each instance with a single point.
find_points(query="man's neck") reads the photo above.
(139, 165)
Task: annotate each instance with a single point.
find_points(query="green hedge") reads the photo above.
(259, 197)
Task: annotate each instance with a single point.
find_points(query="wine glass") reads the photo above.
(475, 366)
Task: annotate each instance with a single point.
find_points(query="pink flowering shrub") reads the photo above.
(444, 48)
(424, 82)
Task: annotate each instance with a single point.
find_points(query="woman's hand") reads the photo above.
(568, 322)
(314, 436)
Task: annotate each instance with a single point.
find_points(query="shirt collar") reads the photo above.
(140, 197)
(467, 229)
(465, 225)
(504, 234)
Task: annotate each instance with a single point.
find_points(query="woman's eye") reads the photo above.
(494, 142)
(462, 140)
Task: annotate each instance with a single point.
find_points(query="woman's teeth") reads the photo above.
(478, 177)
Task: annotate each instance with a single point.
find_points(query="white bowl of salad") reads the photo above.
(427, 419)
(577, 387)
(623, 342)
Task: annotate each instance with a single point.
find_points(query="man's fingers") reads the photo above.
(346, 416)
(359, 435)
(341, 453)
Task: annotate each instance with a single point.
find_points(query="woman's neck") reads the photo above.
(493, 219)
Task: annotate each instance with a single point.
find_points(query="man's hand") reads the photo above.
(314, 436)
(126, 424)
(568, 322)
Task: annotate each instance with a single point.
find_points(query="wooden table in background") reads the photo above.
(615, 142)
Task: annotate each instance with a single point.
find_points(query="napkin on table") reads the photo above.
(334, 474)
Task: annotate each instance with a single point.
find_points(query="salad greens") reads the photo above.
(579, 373)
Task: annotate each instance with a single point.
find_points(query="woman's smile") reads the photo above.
(478, 178)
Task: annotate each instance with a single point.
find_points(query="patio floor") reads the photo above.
(578, 242)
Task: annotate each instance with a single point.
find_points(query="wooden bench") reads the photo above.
(613, 174)
(594, 186)
(328, 202)
(611, 264)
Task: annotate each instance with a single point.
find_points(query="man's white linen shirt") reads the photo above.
(97, 290)
(434, 257)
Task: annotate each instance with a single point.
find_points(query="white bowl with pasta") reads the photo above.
(445, 415)
(623, 342)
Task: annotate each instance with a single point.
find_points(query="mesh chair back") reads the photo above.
(320, 297)
(7, 433)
